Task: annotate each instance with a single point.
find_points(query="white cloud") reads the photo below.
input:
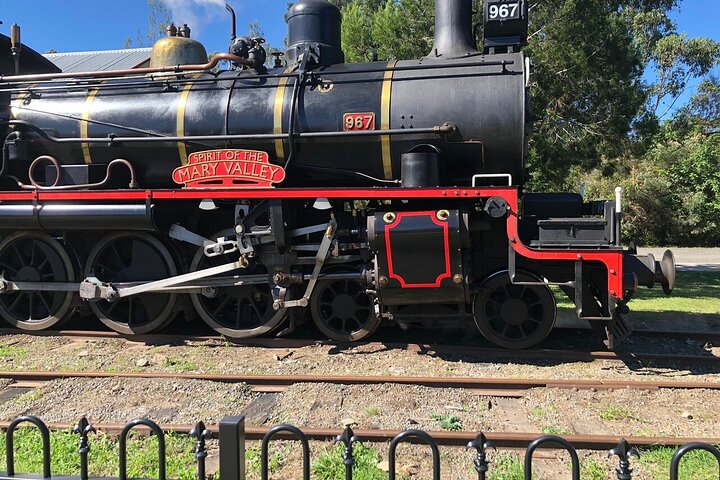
(196, 13)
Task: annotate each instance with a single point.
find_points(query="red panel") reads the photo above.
(388, 249)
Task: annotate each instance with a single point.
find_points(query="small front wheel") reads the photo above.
(343, 311)
(514, 316)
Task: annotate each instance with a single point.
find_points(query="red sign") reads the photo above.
(228, 168)
(358, 121)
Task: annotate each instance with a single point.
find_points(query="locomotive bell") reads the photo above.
(178, 49)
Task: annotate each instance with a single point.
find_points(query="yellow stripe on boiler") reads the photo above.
(385, 119)
(278, 113)
(84, 124)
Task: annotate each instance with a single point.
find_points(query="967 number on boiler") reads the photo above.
(359, 121)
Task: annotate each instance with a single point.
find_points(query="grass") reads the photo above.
(372, 411)
(696, 293)
(253, 458)
(329, 464)
(693, 466)
(507, 467)
(103, 458)
(593, 470)
(553, 430)
(11, 351)
(448, 422)
(614, 412)
(180, 364)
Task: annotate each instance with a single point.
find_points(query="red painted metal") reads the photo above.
(388, 247)
(612, 259)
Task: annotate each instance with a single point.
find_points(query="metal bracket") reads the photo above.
(579, 297)
(512, 270)
(93, 290)
(482, 176)
(320, 258)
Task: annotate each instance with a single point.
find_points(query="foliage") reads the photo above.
(329, 465)
(507, 467)
(158, 20)
(448, 422)
(103, 458)
(593, 470)
(697, 465)
(615, 412)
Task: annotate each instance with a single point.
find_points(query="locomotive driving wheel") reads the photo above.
(343, 311)
(514, 316)
(237, 312)
(133, 257)
(35, 257)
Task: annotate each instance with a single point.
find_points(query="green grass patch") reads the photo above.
(695, 465)
(507, 466)
(253, 459)
(12, 351)
(103, 459)
(372, 411)
(695, 293)
(448, 422)
(329, 465)
(615, 412)
(593, 470)
(180, 364)
(553, 430)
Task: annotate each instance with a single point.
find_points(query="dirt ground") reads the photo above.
(686, 413)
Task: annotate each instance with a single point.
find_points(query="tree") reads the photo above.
(159, 18)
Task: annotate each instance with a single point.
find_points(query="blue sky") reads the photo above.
(77, 25)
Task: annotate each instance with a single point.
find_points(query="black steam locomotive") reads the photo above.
(255, 197)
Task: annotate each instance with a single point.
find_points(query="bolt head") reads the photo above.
(389, 217)
(383, 281)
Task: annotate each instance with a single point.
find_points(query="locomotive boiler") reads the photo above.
(255, 198)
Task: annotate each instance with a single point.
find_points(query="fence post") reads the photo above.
(552, 439)
(10, 446)
(265, 449)
(623, 451)
(426, 438)
(232, 447)
(83, 428)
(481, 445)
(348, 439)
(161, 446)
(688, 447)
(201, 434)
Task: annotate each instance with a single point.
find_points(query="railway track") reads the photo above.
(270, 383)
(443, 438)
(421, 348)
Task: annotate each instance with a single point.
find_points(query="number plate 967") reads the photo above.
(358, 121)
(500, 11)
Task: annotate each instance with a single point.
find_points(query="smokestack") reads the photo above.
(453, 30)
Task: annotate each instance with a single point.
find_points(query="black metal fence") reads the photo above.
(232, 442)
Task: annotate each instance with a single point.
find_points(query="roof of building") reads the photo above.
(100, 60)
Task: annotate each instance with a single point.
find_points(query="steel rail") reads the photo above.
(421, 348)
(473, 383)
(443, 438)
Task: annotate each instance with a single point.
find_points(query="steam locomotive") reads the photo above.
(255, 198)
